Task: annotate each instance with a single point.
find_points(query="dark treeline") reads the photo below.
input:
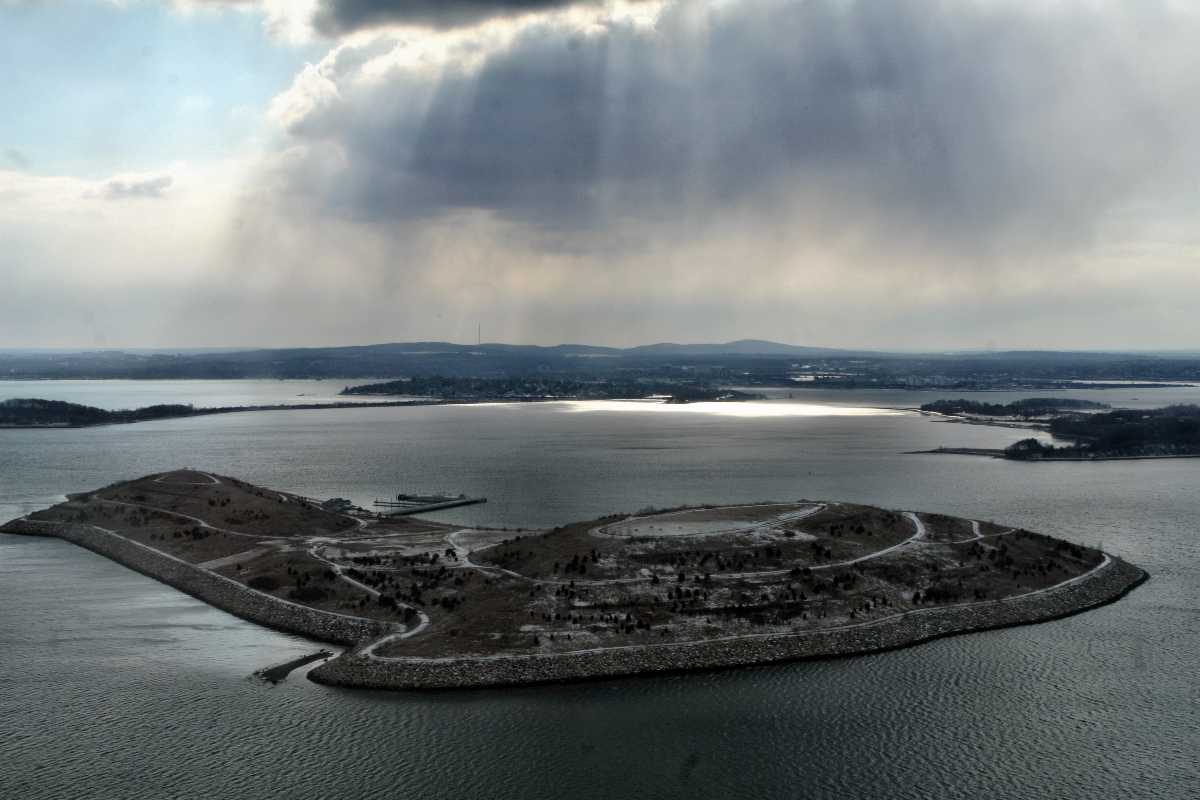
(1170, 431)
(535, 388)
(29, 412)
(37, 413)
(1029, 407)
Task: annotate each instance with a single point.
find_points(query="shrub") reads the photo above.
(264, 583)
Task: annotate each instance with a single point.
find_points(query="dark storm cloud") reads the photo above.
(342, 16)
(123, 189)
(961, 126)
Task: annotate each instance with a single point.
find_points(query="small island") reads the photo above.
(422, 604)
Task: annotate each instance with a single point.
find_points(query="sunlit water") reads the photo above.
(745, 409)
(117, 686)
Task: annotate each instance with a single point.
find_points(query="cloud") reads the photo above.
(734, 169)
(137, 187)
(16, 158)
(300, 20)
(336, 17)
(840, 172)
(968, 129)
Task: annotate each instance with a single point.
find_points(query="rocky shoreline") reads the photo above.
(216, 590)
(360, 668)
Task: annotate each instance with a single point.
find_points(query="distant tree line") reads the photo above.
(1174, 430)
(26, 412)
(546, 388)
(31, 413)
(1029, 407)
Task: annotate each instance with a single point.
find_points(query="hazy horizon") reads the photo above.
(184, 349)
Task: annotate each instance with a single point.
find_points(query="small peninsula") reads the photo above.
(1029, 408)
(423, 604)
(1090, 432)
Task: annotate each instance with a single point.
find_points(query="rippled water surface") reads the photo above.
(117, 686)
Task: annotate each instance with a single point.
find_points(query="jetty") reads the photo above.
(278, 672)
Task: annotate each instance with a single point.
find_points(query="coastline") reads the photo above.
(208, 412)
(360, 668)
(334, 406)
(216, 590)
(996, 453)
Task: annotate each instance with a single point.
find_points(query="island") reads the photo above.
(421, 604)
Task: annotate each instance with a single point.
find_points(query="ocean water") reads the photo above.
(117, 686)
(121, 394)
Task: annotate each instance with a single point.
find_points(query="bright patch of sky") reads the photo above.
(95, 88)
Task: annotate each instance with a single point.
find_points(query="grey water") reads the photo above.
(117, 686)
(121, 394)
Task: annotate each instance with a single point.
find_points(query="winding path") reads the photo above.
(337, 570)
(465, 559)
(370, 650)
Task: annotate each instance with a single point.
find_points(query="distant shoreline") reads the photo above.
(208, 412)
(993, 453)
(341, 405)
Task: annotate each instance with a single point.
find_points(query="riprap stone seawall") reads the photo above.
(216, 590)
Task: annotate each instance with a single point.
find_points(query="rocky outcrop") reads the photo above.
(359, 669)
(216, 590)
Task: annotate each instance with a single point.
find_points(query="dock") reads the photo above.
(405, 505)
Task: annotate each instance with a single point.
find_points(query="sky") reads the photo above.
(910, 174)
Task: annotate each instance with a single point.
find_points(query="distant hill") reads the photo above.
(745, 362)
(392, 359)
(744, 347)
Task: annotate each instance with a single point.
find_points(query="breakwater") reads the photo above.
(360, 668)
(280, 672)
(216, 590)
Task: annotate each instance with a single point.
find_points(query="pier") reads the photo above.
(405, 504)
